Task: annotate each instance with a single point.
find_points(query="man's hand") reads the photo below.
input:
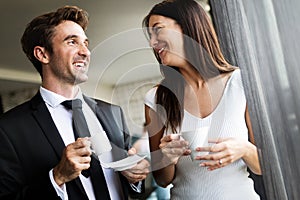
(75, 158)
(139, 171)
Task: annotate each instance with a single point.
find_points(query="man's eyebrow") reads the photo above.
(75, 36)
(70, 36)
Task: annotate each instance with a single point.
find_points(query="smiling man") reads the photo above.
(40, 155)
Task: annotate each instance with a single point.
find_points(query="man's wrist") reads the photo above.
(137, 187)
(61, 190)
(57, 178)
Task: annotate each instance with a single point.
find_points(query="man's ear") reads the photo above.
(41, 54)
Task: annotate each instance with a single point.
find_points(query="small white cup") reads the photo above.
(100, 143)
(196, 138)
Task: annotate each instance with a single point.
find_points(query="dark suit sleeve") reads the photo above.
(127, 138)
(127, 141)
(113, 122)
(14, 184)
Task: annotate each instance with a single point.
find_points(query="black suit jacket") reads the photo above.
(30, 146)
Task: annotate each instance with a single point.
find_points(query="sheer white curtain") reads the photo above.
(262, 38)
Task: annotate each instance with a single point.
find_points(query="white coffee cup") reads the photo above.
(196, 138)
(100, 143)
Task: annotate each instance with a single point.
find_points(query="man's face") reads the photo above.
(70, 59)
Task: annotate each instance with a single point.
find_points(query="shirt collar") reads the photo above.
(53, 99)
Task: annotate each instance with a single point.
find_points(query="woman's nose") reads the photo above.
(153, 41)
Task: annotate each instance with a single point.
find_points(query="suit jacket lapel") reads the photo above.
(105, 120)
(43, 117)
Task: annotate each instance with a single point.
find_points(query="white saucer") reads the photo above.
(125, 163)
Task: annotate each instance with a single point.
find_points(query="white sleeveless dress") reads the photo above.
(227, 120)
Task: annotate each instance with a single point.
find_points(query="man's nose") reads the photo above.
(84, 50)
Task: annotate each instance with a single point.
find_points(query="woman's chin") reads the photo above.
(164, 61)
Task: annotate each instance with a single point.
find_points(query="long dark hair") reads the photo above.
(202, 51)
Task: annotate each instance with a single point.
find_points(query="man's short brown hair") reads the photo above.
(39, 31)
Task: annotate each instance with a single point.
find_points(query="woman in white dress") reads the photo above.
(199, 89)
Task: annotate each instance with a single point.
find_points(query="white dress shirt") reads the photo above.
(63, 121)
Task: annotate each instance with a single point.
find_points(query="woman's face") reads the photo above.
(166, 39)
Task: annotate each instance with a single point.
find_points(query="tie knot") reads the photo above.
(71, 104)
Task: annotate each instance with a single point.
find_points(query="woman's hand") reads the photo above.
(173, 147)
(224, 152)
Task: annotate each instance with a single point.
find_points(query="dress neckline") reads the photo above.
(220, 101)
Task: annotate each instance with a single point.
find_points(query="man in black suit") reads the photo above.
(39, 156)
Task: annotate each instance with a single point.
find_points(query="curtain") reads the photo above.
(1, 106)
(262, 38)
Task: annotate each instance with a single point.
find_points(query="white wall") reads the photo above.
(130, 97)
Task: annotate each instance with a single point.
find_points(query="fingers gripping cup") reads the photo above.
(196, 138)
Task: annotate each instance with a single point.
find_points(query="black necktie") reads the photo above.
(79, 123)
(81, 130)
(80, 127)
